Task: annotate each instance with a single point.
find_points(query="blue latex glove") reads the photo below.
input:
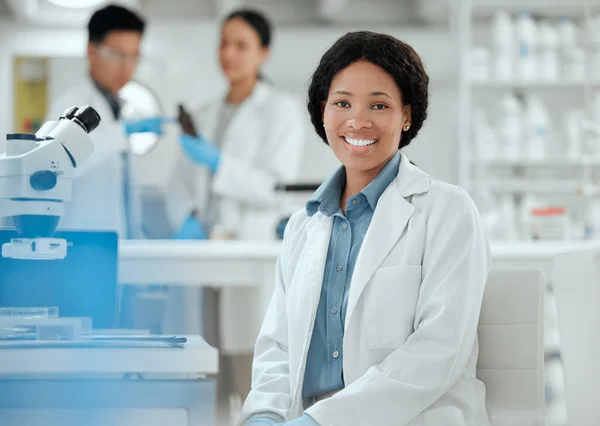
(201, 151)
(147, 125)
(191, 229)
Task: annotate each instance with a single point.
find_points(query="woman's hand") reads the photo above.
(191, 229)
(201, 151)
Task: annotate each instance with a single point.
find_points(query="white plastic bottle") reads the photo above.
(537, 128)
(594, 48)
(510, 126)
(549, 62)
(480, 64)
(568, 32)
(593, 219)
(574, 134)
(485, 141)
(503, 45)
(508, 214)
(571, 54)
(527, 36)
(595, 107)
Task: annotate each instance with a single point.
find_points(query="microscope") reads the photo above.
(36, 177)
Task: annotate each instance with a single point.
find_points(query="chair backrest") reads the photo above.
(511, 349)
(576, 286)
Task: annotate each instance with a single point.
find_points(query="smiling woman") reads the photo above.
(373, 320)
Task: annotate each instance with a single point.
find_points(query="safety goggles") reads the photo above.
(113, 55)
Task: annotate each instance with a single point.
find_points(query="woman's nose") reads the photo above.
(359, 121)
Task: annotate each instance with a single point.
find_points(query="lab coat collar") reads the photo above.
(260, 92)
(326, 198)
(411, 180)
(114, 101)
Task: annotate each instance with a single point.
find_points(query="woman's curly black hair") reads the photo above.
(398, 59)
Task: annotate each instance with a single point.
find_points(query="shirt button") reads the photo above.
(339, 268)
(353, 202)
(345, 225)
(334, 310)
(335, 354)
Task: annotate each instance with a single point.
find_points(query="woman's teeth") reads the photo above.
(360, 142)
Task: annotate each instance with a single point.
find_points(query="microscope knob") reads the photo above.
(43, 180)
(87, 118)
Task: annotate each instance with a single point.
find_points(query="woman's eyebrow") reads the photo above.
(346, 93)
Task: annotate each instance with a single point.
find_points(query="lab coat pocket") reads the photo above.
(390, 304)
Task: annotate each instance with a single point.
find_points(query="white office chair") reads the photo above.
(511, 350)
(576, 286)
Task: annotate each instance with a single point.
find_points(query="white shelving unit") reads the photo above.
(472, 11)
(559, 176)
(471, 14)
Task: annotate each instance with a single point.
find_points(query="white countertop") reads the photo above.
(194, 357)
(247, 263)
(537, 249)
(193, 263)
(268, 250)
(214, 249)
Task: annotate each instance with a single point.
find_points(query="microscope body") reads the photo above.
(36, 176)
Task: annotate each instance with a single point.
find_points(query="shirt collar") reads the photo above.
(326, 198)
(373, 190)
(113, 101)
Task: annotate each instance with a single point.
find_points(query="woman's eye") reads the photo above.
(342, 104)
(379, 106)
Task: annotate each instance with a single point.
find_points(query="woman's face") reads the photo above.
(364, 116)
(241, 53)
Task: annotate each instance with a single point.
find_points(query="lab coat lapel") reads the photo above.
(389, 220)
(318, 234)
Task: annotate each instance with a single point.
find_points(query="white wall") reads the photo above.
(180, 65)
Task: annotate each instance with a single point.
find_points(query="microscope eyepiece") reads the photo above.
(86, 117)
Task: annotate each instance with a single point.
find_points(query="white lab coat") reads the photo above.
(410, 344)
(262, 146)
(97, 200)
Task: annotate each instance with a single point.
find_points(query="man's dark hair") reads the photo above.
(113, 18)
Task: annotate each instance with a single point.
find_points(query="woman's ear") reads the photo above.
(407, 115)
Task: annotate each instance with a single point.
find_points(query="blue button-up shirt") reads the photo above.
(323, 372)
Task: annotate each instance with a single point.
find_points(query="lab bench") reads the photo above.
(121, 386)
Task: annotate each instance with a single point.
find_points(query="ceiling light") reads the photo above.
(77, 4)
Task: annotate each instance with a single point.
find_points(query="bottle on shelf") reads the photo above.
(572, 55)
(479, 64)
(527, 37)
(549, 62)
(537, 128)
(593, 44)
(574, 134)
(510, 126)
(486, 144)
(503, 46)
(508, 214)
